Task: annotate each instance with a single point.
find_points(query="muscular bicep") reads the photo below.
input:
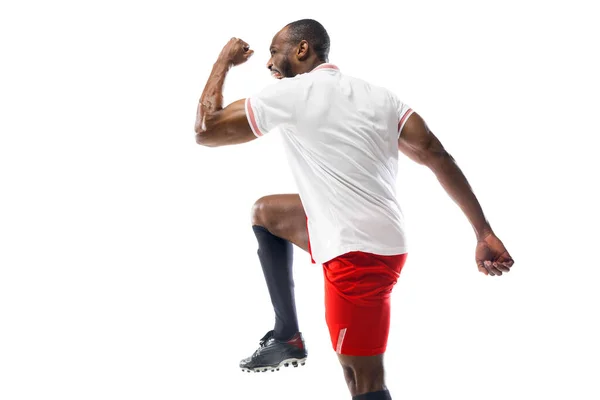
(418, 143)
(225, 127)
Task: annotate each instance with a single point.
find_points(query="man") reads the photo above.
(342, 137)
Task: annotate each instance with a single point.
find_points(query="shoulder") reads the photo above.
(285, 86)
(373, 88)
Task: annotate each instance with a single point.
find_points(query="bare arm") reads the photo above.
(215, 125)
(418, 143)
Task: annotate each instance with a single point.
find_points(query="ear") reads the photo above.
(302, 50)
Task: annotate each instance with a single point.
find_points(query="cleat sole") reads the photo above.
(285, 363)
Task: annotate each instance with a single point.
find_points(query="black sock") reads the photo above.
(381, 395)
(276, 258)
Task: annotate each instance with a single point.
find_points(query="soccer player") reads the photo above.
(342, 137)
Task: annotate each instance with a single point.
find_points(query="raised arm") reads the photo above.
(215, 125)
(418, 143)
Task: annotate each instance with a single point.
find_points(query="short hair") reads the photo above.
(313, 32)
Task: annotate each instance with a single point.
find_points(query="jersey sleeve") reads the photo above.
(272, 107)
(404, 111)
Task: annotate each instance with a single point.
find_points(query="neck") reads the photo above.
(310, 65)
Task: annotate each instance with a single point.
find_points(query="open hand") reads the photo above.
(236, 52)
(492, 257)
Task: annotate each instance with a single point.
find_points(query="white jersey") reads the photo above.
(341, 139)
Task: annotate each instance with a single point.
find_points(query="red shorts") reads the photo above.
(358, 286)
(357, 301)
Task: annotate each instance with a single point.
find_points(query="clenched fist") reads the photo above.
(236, 52)
(492, 257)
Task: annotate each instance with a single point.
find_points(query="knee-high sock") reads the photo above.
(381, 395)
(276, 258)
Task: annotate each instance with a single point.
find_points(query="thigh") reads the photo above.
(284, 216)
(355, 328)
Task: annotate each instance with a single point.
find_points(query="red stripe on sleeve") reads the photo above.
(252, 119)
(406, 115)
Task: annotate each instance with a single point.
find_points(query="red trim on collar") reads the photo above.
(326, 66)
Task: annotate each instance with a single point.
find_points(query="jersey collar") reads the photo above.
(326, 66)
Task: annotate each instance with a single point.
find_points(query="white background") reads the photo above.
(128, 267)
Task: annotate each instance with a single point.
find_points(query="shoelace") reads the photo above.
(263, 341)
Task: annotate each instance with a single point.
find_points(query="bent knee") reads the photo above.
(260, 213)
(283, 216)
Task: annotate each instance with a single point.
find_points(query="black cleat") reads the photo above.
(273, 354)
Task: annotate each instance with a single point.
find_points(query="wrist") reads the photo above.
(482, 232)
(223, 64)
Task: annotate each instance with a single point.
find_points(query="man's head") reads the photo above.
(298, 48)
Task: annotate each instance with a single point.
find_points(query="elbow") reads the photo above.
(207, 134)
(200, 127)
(203, 135)
(204, 139)
(200, 135)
